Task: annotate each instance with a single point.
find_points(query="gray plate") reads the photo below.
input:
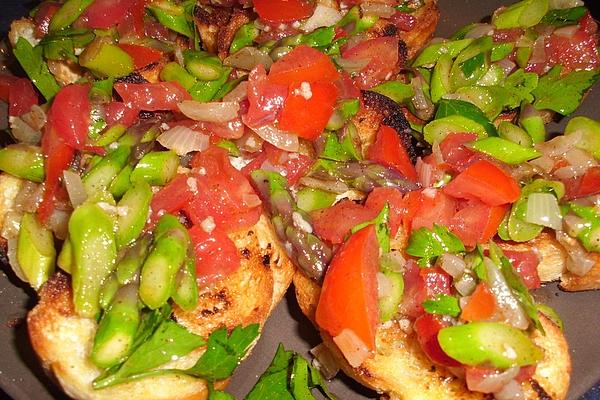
(22, 378)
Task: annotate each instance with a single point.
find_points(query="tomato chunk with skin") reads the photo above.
(525, 263)
(382, 57)
(586, 185)
(142, 55)
(216, 254)
(173, 197)
(104, 14)
(307, 108)
(284, 10)
(334, 223)
(291, 165)
(427, 327)
(381, 195)
(152, 96)
(388, 150)
(481, 305)
(477, 222)
(265, 99)
(349, 294)
(18, 93)
(421, 284)
(430, 207)
(454, 152)
(303, 64)
(69, 115)
(484, 181)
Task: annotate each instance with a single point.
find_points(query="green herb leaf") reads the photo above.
(465, 109)
(224, 352)
(443, 304)
(469, 66)
(428, 244)
(319, 37)
(399, 92)
(33, 64)
(563, 17)
(382, 229)
(218, 394)
(563, 94)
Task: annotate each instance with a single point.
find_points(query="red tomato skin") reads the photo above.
(388, 150)
(265, 99)
(455, 153)
(43, 16)
(172, 198)
(403, 21)
(421, 284)
(152, 96)
(587, 185)
(381, 195)
(292, 165)
(216, 254)
(18, 93)
(283, 10)
(382, 54)
(427, 327)
(575, 53)
(117, 112)
(477, 222)
(349, 294)
(334, 223)
(484, 181)
(142, 55)
(481, 305)
(307, 116)
(104, 14)
(525, 263)
(222, 193)
(69, 115)
(433, 207)
(303, 64)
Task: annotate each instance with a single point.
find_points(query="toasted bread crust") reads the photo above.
(403, 371)
(427, 21)
(63, 340)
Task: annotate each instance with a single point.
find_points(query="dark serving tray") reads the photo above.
(22, 378)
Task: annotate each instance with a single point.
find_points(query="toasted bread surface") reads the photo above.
(63, 340)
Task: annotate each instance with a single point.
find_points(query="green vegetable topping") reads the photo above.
(563, 17)
(35, 251)
(505, 150)
(33, 64)
(23, 161)
(428, 244)
(443, 304)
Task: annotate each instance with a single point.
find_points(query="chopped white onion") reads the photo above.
(10, 232)
(59, 223)
(35, 118)
(183, 140)
(509, 305)
(209, 112)
(452, 264)
(507, 66)
(239, 93)
(248, 58)
(580, 158)
(23, 132)
(377, 9)
(579, 261)
(567, 31)
(465, 285)
(558, 4)
(560, 145)
(324, 361)
(542, 209)
(352, 347)
(479, 30)
(573, 224)
(543, 163)
(511, 391)
(384, 286)
(278, 138)
(493, 381)
(352, 66)
(323, 16)
(75, 188)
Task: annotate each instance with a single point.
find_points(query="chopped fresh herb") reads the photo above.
(563, 94)
(465, 109)
(289, 377)
(224, 352)
(428, 244)
(399, 92)
(33, 64)
(218, 394)
(469, 66)
(443, 304)
(333, 149)
(319, 38)
(563, 17)
(382, 229)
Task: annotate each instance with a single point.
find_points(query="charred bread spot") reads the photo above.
(391, 115)
(57, 290)
(364, 372)
(134, 77)
(245, 253)
(209, 20)
(149, 67)
(250, 233)
(266, 260)
(402, 53)
(542, 394)
(227, 33)
(389, 30)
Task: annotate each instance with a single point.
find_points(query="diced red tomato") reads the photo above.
(481, 305)
(507, 35)
(307, 108)
(587, 185)
(142, 55)
(454, 152)
(58, 156)
(18, 93)
(403, 21)
(578, 51)
(389, 151)
(477, 222)
(69, 115)
(382, 55)
(291, 165)
(284, 10)
(152, 96)
(173, 197)
(347, 89)
(265, 99)
(43, 16)
(104, 14)
(433, 207)
(427, 327)
(216, 254)
(525, 263)
(223, 193)
(117, 112)
(525, 373)
(421, 284)
(334, 223)
(381, 195)
(349, 294)
(303, 64)
(485, 181)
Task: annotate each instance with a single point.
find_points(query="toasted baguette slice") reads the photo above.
(63, 340)
(401, 369)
